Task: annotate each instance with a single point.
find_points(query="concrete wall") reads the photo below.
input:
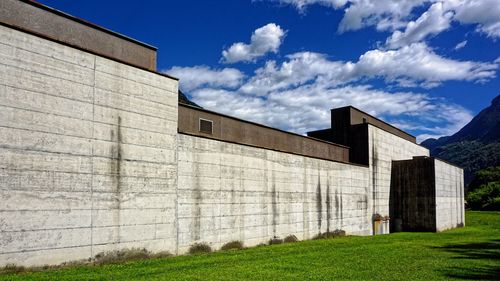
(383, 148)
(449, 196)
(235, 192)
(413, 195)
(91, 161)
(87, 154)
(427, 195)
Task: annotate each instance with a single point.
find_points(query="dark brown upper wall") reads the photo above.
(44, 21)
(230, 129)
(356, 116)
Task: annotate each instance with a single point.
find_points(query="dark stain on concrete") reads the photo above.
(337, 205)
(374, 174)
(115, 171)
(197, 199)
(233, 209)
(341, 209)
(319, 206)
(305, 204)
(274, 196)
(328, 206)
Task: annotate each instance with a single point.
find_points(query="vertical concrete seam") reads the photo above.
(92, 166)
(220, 197)
(177, 194)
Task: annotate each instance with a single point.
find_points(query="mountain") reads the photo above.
(475, 146)
(185, 100)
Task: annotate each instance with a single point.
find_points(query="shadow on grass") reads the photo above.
(474, 251)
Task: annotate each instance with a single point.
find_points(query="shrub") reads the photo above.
(330, 234)
(117, 256)
(200, 248)
(233, 245)
(12, 268)
(275, 240)
(486, 197)
(123, 255)
(291, 239)
(485, 176)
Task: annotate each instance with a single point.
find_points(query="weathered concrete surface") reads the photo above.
(413, 195)
(450, 211)
(90, 161)
(87, 154)
(426, 195)
(234, 192)
(385, 147)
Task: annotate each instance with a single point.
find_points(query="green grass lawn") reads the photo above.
(470, 253)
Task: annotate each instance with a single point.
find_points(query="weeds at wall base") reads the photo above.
(111, 257)
(233, 245)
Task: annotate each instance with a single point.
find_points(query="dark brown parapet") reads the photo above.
(203, 123)
(359, 117)
(44, 21)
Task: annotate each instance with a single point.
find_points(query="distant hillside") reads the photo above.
(475, 146)
(185, 100)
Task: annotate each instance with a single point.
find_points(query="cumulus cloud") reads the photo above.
(460, 45)
(306, 108)
(204, 76)
(383, 14)
(410, 66)
(397, 16)
(301, 4)
(485, 13)
(431, 22)
(417, 62)
(266, 39)
(296, 94)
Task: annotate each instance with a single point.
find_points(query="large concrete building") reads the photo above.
(97, 154)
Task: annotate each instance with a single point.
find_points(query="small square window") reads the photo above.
(206, 126)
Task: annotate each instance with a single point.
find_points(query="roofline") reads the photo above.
(392, 126)
(447, 162)
(85, 50)
(87, 23)
(260, 125)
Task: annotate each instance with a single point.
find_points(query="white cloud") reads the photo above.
(383, 14)
(485, 13)
(397, 15)
(301, 4)
(419, 63)
(460, 45)
(300, 68)
(297, 93)
(440, 15)
(306, 108)
(431, 22)
(203, 76)
(264, 40)
(410, 66)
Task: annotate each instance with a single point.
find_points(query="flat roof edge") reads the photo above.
(87, 51)
(261, 125)
(392, 126)
(87, 23)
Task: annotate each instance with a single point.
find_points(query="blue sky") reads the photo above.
(425, 66)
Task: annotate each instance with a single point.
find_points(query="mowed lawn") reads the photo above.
(470, 253)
